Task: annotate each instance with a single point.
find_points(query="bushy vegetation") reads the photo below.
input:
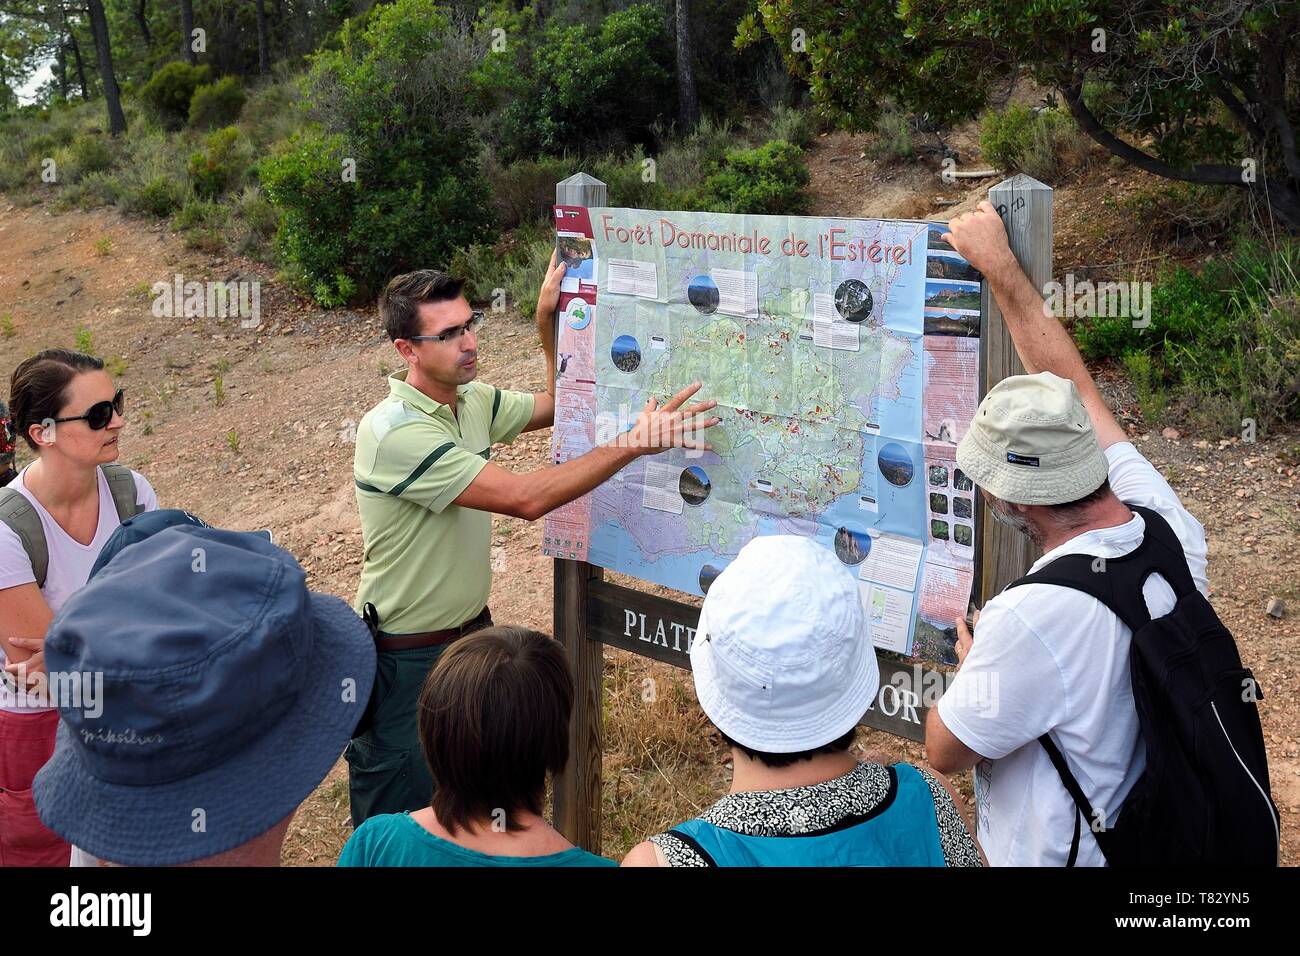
(170, 91)
(1224, 341)
(217, 104)
(768, 179)
(1044, 143)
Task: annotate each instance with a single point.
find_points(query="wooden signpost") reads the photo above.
(591, 612)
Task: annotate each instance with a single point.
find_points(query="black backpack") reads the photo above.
(1204, 797)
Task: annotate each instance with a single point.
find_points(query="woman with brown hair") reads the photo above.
(494, 721)
(55, 516)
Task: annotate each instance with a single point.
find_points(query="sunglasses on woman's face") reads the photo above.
(100, 414)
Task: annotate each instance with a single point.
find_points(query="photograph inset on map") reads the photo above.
(939, 529)
(961, 482)
(946, 294)
(939, 504)
(852, 547)
(962, 534)
(626, 354)
(853, 300)
(952, 322)
(961, 507)
(694, 485)
(708, 574)
(703, 294)
(939, 476)
(575, 252)
(895, 464)
(934, 239)
(949, 265)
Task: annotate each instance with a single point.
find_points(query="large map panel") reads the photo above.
(843, 355)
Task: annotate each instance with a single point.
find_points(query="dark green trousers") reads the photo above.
(386, 769)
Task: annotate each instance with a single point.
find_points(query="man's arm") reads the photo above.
(943, 750)
(547, 300)
(1041, 341)
(533, 495)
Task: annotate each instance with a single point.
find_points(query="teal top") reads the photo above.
(394, 839)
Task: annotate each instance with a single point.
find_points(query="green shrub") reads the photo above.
(158, 197)
(169, 91)
(220, 165)
(200, 213)
(769, 179)
(791, 125)
(216, 104)
(893, 136)
(1225, 340)
(1046, 145)
(599, 86)
(517, 264)
(90, 154)
(394, 93)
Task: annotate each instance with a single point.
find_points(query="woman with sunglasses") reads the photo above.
(65, 407)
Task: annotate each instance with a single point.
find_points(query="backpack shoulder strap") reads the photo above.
(1117, 582)
(694, 844)
(21, 518)
(121, 485)
(1081, 802)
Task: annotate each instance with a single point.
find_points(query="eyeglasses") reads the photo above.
(100, 414)
(453, 335)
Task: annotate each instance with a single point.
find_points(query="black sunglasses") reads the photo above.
(100, 414)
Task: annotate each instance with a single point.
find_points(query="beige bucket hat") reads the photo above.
(1032, 443)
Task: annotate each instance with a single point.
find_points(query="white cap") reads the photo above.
(782, 657)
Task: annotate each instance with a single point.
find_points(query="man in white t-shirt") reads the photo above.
(1052, 462)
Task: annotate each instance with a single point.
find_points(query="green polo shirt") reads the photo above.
(427, 562)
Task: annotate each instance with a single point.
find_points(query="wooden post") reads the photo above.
(576, 791)
(1025, 205)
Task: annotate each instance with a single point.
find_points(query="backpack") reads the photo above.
(1204, 796)
(17, 512)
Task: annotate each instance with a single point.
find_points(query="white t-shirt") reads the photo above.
(1049, 658)
(70, 561)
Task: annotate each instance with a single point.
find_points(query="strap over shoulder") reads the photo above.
(21, 518)
(121, 485)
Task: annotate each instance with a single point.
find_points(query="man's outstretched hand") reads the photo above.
(981, 239)
(671, 426)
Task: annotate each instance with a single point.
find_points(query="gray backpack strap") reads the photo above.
(17, 512)
(121, 485)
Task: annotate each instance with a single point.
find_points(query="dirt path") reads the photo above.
(276, 452)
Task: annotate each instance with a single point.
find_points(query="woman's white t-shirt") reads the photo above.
(70, 561)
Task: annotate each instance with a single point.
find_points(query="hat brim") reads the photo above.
(785, 736)
(244, 796)
(1027, 485)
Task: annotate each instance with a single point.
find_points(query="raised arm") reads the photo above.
(1041, 341)
(547, 300)
(535, 494)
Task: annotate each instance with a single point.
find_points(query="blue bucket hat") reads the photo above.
(146, 525)
(229, 691)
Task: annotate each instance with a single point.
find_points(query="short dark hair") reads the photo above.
(399, 306)
(839, 745)
(37, 389)
(493, 720)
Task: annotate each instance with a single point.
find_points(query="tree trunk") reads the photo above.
(187, 32)
(142, 18)
(688, 100)
(81, 65)
(263, 43)
(104, 53)
(61, 69)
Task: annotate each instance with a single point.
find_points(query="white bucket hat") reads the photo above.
(783, 659)
(1031, 442)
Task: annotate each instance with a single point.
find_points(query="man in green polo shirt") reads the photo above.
(426, 491)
